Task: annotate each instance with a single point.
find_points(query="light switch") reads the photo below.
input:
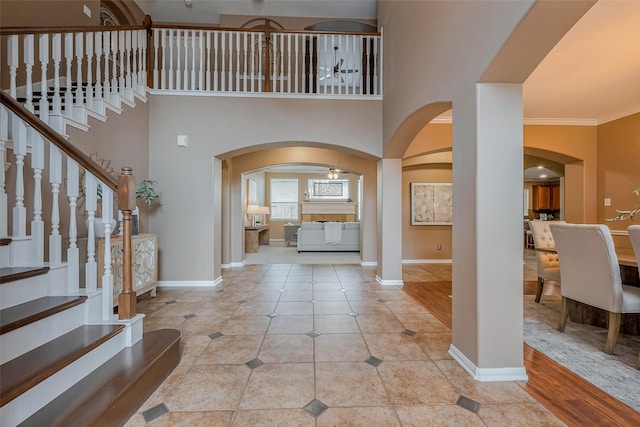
(182, 140)
(607, 201)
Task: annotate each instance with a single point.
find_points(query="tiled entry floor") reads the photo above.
(317, 345)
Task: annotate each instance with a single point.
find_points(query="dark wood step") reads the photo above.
(11, 274)
(28, 370)
(21, 315)
(5, 241)
(111, 394)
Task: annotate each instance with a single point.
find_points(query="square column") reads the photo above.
(389, 224)
(487, 331)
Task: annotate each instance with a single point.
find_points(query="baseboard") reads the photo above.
(368, 263)
(217, 281)
(427, 261)
(233, 264)
(487, 374)
(186, 283)
(389, 282)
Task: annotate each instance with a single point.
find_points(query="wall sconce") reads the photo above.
(333, 173)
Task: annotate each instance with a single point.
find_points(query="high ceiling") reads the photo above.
(590, 77)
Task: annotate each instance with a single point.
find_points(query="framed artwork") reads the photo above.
(431, 203)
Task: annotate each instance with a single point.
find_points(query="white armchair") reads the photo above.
(634, 236)
(590, 274)
(547, 262)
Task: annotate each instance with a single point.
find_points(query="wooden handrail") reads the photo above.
(177, 25)
(52, 135)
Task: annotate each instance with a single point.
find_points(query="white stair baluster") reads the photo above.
(122, 84)
(73, 253)
(79, 86)
(375, 65)
(158, 38)
(129, 53)
(68, 94)
(260, 41)
(230, 62)
(281, 61)
(37, 224)
(107, 276)
(179, 60)
(193, 60)
(251, 58)
(56, 54)
(304, 78)
(170, 44)
(98, 101)
(29, 60)
(356, 63)
(208, 59)
(296, 87)
(185, 70)
(215, 61)
(114, 68)
(289, 56)
(134, 57)
(55, 178)
(106, 49)
(245, 57)
(91, 205)
(142, 62)
(238, 68)
(12, 62)
(223, 51)
(19, 137)
(201, 60)
(89, 52)
(4, 137)
(43, 53)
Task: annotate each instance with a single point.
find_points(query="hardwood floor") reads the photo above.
(572, 399)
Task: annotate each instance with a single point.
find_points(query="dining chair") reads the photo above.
(634, 236)
(590, 274)
(547, 263)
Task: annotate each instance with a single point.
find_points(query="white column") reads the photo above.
(487, 232)
(389, 223)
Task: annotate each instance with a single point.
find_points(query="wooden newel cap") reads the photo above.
(126, 190)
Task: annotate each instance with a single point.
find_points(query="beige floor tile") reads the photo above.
(394, 347)
(416, 383)
(161, 393)
(517, 414)
(209, 388)
(395, 295)
(378, 416)
(152, 323)
(291, 324)
(335, 324)
(340, 348)
(424, 322)
(300, 296)
(296, 286)
(403, 306)
(294, 308)
(149, 306)
(347, 384)
(437, 416)
(179, 309)
(193, 419)
(201, 325)
(196, 294)
(218, 308)
(435, 344)
(379, 323)
(137, 420)
(286, 349)
(255, 308)
(331, 307)
(274, 417)
(259, 294)
(355, 285)
(269, 286)
(320, 285)
(192, 347)
(369, 296)
(286, 385)
(231, 350)
(246, 325)
(329, 296)
(369, 307)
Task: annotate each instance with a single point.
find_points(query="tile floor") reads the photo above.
(317, 345)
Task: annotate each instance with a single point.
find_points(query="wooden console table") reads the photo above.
(255, 236)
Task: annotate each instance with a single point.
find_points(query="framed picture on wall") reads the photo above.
(431, 203)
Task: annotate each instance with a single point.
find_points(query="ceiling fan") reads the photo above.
(336, 71)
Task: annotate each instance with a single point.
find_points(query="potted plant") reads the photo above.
(146, 190)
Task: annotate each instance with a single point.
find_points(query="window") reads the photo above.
(284, 199)
(335, 189)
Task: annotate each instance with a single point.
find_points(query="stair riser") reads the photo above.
(28, 403)
(5, 256)
(24, 290)
(22, 340)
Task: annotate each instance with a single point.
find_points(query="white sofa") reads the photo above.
(312, 236)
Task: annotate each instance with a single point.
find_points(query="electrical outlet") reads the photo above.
(439, 246)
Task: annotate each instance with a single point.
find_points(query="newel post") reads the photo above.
(126, 203)
(150, 58)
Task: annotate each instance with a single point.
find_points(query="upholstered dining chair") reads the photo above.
(590, 274)
(547, 262)
(634, 236)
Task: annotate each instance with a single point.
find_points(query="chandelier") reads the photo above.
(333, 173)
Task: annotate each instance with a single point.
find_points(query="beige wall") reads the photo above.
(47, 13)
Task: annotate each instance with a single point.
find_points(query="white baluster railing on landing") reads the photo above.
(232, 61)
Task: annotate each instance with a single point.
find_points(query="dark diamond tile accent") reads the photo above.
(254, 363)
(382, 300)
(313, 334)
(242, 301)
(353, 314)
(373, 361)
(315, 408)
(171, 302)
(468, 404)
(313, 301)
(215, 335)
(409, 332)
(155, 412)
(272, 315)
(189, 316)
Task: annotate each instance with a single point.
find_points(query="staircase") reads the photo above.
(66, 358)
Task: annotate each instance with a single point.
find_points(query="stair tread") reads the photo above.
(23, 314)
(26, 371)
(5, 241)
(11, 274)
(113, 392)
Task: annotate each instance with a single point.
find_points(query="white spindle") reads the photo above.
(229, 63)
(107, 277)
(114, 65)
(375, 66)
(185, 71)
(19, 137)
(73, 253)
(29, 60)
(289, 54)
(297, 63)
(56, 54)
(122, 54)
(128, 45)
(106, 48)
(194, 56)
(305, 78)
(37, 224)
(201, 60)
(238, 67)
(380, 61)
(79, 55)
(158, 37)
(223, 51)
(68, 55)
(356, 63)
(208, 56)
(245, 66)
(91, 205)
(251, 58)
(55, 178)
(142, 48)
(135, 53)
(89, 52)
(281, 62)
(43, 53)
(170, 44)
(4, 137)
(367, 57)
(98, 51)
(179, 62)
(12, 62)
(335, 63)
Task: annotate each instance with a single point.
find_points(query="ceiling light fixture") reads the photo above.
(333, 173)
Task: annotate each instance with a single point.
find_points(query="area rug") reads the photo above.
(580, 349)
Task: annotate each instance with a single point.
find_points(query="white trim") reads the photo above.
(238, 264)
(442, 120)
(265, 95)
(225, 266)
(619, 232)
(218, 280)
(369, 263)
(561, 122)
(185, 283)
(487, 374)
(428, 261)
(384, 282)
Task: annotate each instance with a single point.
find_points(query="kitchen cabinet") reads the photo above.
(546, 197)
